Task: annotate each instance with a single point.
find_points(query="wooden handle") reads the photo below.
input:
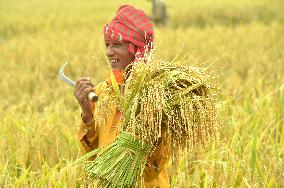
(92, 97)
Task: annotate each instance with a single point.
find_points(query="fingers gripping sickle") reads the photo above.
(91, 96)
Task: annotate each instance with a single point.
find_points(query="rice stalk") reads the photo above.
(160, 97)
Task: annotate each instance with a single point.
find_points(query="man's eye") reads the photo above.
(117, 45)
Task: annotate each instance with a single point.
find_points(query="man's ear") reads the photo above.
(132, 48)
(138, 55)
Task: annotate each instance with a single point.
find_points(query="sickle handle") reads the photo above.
(92, 97)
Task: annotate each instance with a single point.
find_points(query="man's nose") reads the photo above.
(109, 51)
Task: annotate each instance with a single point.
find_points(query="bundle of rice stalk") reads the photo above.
(160, 97)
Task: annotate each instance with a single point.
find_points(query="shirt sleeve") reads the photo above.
(87, 133)
(88, 136)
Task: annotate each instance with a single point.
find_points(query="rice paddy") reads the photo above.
(242, 40)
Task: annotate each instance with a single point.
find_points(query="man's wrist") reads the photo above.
(86, 117)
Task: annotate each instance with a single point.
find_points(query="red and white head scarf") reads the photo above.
(132, 25)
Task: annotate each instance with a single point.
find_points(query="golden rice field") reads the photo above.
(243, 40)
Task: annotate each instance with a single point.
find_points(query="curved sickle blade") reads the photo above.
(65, 78)
(91, 96)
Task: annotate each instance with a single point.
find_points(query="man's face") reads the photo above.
(118, 54)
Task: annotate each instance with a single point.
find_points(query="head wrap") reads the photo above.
(132, 25)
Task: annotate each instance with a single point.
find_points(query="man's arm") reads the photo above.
(87, 135)
(87, 132)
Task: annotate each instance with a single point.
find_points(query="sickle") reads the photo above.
(91, 96)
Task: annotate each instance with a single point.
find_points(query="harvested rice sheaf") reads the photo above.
(160, 98)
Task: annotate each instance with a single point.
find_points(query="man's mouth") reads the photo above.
(113, 61)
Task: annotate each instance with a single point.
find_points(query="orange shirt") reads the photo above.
(92, 136)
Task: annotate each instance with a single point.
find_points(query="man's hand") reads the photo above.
(82, 88)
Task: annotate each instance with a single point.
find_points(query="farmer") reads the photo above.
(128, 36)
(159, 12)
